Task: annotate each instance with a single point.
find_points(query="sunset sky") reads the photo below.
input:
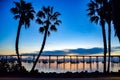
(76, 31)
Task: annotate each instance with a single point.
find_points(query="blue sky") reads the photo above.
(76, 31)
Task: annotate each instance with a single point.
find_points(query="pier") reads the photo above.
(77, 63)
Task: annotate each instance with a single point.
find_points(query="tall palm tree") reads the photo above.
(116, 17)
(24, 12)
(96, 14)
(48, 21)
(108, 19)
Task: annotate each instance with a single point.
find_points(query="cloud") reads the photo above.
(79, 51)
(87, 51)
(115, 49)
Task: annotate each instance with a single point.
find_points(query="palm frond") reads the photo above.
(17, 4)
(39, 21)
(90, 5)
(94, 3)
(41, 14)
(16, 16)
(53, 18)
(41, 29)
(32, 11)
(44, 9)
(91, 13)
(56, 14)
(30, 15)
(53, 28)
(28, 6)
(57, 22)
(51, 10)
(94, 19)
(27, 23)
(48, 9)
(14, 10)
(90, 9)
(23, 4)
(99, 1)
(47, 22)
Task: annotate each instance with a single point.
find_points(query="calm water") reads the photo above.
(62, 65)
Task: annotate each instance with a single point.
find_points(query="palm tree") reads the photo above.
(48, 21)
(24, 12)
(96, 14)
(108, 19)
(116, 17)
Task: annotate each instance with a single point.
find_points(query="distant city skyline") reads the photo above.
(76, 31)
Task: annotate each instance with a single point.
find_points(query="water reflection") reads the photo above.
(65, 63)
(71, 64)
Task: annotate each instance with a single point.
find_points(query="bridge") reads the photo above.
(65, 59)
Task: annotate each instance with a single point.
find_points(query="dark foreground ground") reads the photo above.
(99, 78)
(60, 75)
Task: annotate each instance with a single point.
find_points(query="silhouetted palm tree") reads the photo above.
(116, 17)
(96, 14)
(24, 12)
(108, 19)
(48, 21)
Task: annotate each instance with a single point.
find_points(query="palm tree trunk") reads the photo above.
(105, 46)
(41, 50)
(116, 18)
(16, 44)
(109, 45)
